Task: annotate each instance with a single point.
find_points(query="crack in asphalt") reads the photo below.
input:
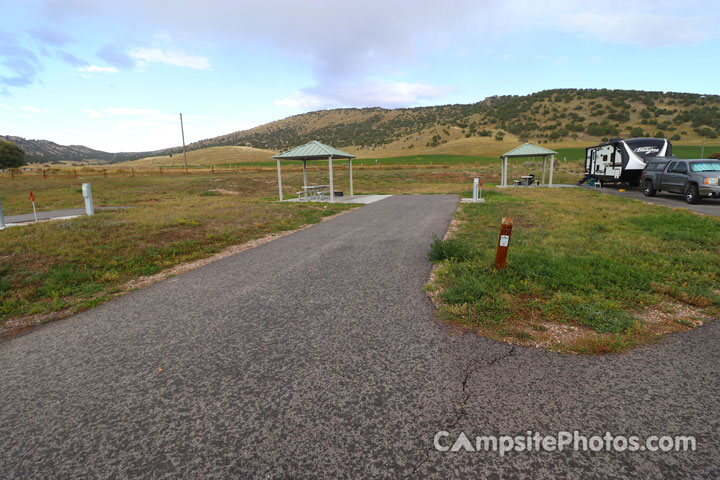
(463, 404)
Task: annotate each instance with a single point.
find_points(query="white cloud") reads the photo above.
(302, 101)
(5, 107)
(640, 28)
(92, 113)
(364, 93)
(176, 57)
(645, 23)
(98, 69)
(28, 108)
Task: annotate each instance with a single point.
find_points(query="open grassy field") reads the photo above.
(206, 156)
(246, 156)
(587, 273)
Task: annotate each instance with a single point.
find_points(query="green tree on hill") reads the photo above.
(11, 156)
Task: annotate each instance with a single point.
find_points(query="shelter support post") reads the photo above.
(543, 175)
(502, 171)
(305, 175)
(332, 184)
(279, 179)
(351, 181)
(552, 166)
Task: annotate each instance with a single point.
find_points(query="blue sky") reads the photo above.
(115, 75)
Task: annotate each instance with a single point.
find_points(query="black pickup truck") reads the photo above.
(693, 178)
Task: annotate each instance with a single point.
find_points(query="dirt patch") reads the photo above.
(224, 192)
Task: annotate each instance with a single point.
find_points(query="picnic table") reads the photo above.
(313, 192)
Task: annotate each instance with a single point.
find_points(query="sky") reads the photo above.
(115, 76)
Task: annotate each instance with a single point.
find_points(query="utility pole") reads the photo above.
(182, 130)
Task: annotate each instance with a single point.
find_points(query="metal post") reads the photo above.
(87, 193)
(502, 171)
(505, 163)
(702, 151)
(543, 175)
(332, 185)
(2, 217)
(476, 182)
(305, 175)
(182, 130)
(351, 181)
(279, 179)
(552, 166)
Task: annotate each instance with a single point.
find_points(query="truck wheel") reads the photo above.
(649, 191)
(692, 195)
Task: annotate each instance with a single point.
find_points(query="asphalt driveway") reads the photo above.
(708, 206)
(317, 355)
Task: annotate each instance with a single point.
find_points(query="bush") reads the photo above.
(636, 132)
(451, 249)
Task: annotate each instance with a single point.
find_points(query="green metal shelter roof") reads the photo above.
(528, 150)
(312, 151)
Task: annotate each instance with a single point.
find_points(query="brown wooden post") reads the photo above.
(12, 174)
(104, 173)
(43, 173)
(212, 168)
(132, 172)
(503, 243)
(160, 170)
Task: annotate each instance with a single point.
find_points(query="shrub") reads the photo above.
(451, 249)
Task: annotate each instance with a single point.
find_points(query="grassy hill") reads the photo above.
(564, 118)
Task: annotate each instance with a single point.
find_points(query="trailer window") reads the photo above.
(705, 167)
(672, 167)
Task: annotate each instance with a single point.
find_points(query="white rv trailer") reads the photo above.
(622, 161)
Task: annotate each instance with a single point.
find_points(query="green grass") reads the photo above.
(577, 258)
(76, 264)
(694, 151)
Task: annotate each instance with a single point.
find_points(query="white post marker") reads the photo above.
(552, 166)
(476, 182)
(2, 217)
(87, 193)
(543, 175)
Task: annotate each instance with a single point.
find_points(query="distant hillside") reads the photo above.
(553, 116)
(45, 151)
(564, 117)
